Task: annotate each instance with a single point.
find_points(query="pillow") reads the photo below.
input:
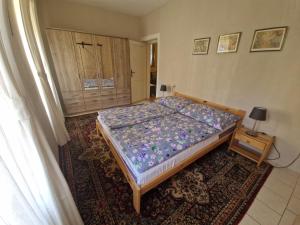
(213, 117)
(174, 102)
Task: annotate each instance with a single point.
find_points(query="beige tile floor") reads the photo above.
(278, 201)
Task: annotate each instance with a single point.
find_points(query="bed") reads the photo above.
(137, 139)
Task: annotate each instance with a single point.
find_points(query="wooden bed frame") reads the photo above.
(139, 190)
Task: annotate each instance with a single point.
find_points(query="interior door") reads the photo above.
(138, 64)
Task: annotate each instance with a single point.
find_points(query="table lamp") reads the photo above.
(257, 113)
(163, 88)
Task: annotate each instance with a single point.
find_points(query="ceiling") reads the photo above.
(130, 7)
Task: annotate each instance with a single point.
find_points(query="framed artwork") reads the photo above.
(269, 39)
(228, 43)
(201, 46)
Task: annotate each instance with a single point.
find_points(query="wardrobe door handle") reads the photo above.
(132, 72)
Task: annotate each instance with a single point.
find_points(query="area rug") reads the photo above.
(215, 190)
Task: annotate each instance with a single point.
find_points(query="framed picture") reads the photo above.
(269, 39)
(201, 46)
(228, 43)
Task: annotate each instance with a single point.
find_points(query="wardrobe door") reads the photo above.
(104, 52)
(63, 55)
(87, 60)
(89, 68)
(122, 70)
(66, 68)
(105, 60)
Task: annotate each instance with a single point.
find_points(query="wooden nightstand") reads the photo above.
(262, 144)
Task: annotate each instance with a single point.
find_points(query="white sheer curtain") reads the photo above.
(26, 19)
(33, 189)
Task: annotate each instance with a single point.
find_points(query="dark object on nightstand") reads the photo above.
(257, 113)
(163, 88)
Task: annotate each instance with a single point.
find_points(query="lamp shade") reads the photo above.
(163, 87)
(258, 113)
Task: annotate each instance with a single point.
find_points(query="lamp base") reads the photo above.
(251, 133)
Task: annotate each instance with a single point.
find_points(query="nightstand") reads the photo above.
(262, 145)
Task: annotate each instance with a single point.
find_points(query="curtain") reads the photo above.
(33, 189)
(26, 18)
(37, 34)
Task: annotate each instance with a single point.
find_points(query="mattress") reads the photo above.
(127, 116)
(143, 175)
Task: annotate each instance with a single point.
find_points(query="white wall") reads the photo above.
(243, 79)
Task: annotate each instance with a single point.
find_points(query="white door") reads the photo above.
(138, 64)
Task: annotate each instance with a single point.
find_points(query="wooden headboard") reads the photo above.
(239, 112)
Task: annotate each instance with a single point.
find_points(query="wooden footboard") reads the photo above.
(139, 190)
(135, 188)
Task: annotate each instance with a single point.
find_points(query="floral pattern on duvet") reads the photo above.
(155, 141)
(174, 102)
(213, 117)
(126, 116)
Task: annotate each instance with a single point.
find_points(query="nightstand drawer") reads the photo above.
(250, 141)
(261, 142)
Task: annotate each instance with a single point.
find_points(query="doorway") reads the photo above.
(144, 63)
(153, 47)
(153, 58)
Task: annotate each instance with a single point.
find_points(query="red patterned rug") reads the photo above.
(215, 190)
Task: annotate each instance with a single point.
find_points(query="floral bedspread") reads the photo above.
(155, 141)
(126, 116)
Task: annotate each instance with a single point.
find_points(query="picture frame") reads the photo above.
(229, 43)
(269, 39)
(201, 46)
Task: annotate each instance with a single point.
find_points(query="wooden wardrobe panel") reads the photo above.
(73, 102)
(63, 55)
(104, 52)
(121, 64)
(86, 56)
(108, 101)
(83, 60)
(83, 37)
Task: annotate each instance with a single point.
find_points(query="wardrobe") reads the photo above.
(93, 71)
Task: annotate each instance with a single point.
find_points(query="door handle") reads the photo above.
(83, 44)
(132, 72)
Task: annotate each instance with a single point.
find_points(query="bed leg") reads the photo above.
(137, 201)
(97, 128)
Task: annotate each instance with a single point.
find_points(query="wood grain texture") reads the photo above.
(86, 56)
(121, 63)
(73, 101)
(63, 55)
(104, 53)
(80, 56)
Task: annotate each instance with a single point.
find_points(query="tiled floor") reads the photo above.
(278, 202)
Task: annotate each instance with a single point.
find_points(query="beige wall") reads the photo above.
(71, 15)
(243, 79)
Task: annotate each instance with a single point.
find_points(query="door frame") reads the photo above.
(153, 38)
